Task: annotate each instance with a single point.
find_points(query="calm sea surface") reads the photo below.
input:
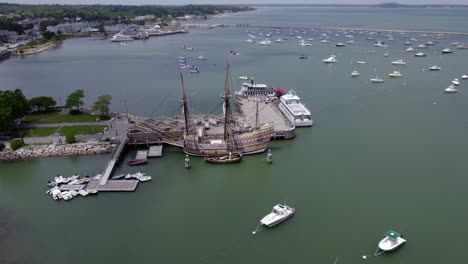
(380, 156)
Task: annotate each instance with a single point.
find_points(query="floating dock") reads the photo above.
(142, 155)
(155, 151)
(267, 112)
(113, 186)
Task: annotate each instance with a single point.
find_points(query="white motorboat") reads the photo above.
(331, 59)
(201, 57)
(399, 62)
(456, 82)
(422, 46)
(456, 43)
(386, 54)
(243, 77)
(465, 76)
(420, 54)
(339, 44)
(250, 40)
(120, 37)
(371, 51)
(292, 108)
(430, 43)
(407, 43)
(395, 74)
(278, 214)
(451, 89)
(410, 49)
(280, 41)
(194, 71)
(83, 192)
(351, 42)
(304, 43)
(59, 179)
(265, 42)
(434, 68)
(391, 241)
(377, 79)
(355, 74)
(361, 62)
(446, 51)
(324, 41)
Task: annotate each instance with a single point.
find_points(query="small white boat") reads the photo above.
(410, 49)
(339, 44)
(447, 50)
(465, 76)
(250, 40)
(371, 51)
(201, 57)
(324, 41)
(83, 192)
(265, 42)
(377, 79)
(399, 62)
(395, 74)
(451, 89)
(243, 77)
(420, 54)
(355, 74)
(430, 43)
(422, 46)
(331, 59)
(386, 54)
(280, 41)
(456, 82)
(391, 241)
(434, 68)
(194, 71)
(407, 43)
(304, 43)
(380, 44)
(361, 62)
(351, 41)
(279, 214)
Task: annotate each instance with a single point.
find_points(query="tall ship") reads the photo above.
(120, 37)
(231, 139)
(292, 108)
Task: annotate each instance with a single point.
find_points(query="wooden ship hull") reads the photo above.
(248, 143)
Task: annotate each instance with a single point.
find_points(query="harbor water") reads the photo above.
(379, 156)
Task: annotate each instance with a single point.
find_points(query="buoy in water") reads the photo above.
(269, 157)
(187, 162)
(253, 232)
(364, 257)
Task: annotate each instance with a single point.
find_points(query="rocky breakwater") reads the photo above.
(57, 150)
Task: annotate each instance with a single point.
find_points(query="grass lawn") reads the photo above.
(33, 117)
(81, 130)
(83, 117)
(36, 132)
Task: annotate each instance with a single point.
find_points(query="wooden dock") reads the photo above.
(75, 187)
(110, 165)
(155, 151)
(113, 186)
(267, 112)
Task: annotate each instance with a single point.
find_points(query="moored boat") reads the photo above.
(451, 89)
(355, 74)
(377, 79)
(231, 158)
(392, 241)
(137, 162)
(279, 214)
(395, 74)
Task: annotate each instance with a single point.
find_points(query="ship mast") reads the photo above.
(226, 102)
(184, 103)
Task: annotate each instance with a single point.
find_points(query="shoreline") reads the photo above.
(41, 48)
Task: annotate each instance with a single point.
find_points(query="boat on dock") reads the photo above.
(279, 214)
(120, 37)
(392, 241)
(255, 89)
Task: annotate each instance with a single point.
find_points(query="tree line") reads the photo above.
(14, 106)
(110, 12)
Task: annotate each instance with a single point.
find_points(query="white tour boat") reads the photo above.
(395, 74)
(292, 108)
(391, 241)
(331, 59)
(399, 62)
(279, 214)
(451, 89)
(255, 89)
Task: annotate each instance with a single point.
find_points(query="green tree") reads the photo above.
(165, 20)
(75, 100)
(41, 103)
(16, 144)
(70, 138)
(48, 35)
(102, 105)
(13, 105)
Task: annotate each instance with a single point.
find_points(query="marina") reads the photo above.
(390, 127)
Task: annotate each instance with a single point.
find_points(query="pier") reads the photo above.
(110, 165)
(267, 112)
(155, 151)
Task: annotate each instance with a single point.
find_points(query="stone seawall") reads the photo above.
(54, 150)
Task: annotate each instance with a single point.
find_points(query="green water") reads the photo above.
(380, 156)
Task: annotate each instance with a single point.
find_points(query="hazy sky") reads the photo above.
(164, 2)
